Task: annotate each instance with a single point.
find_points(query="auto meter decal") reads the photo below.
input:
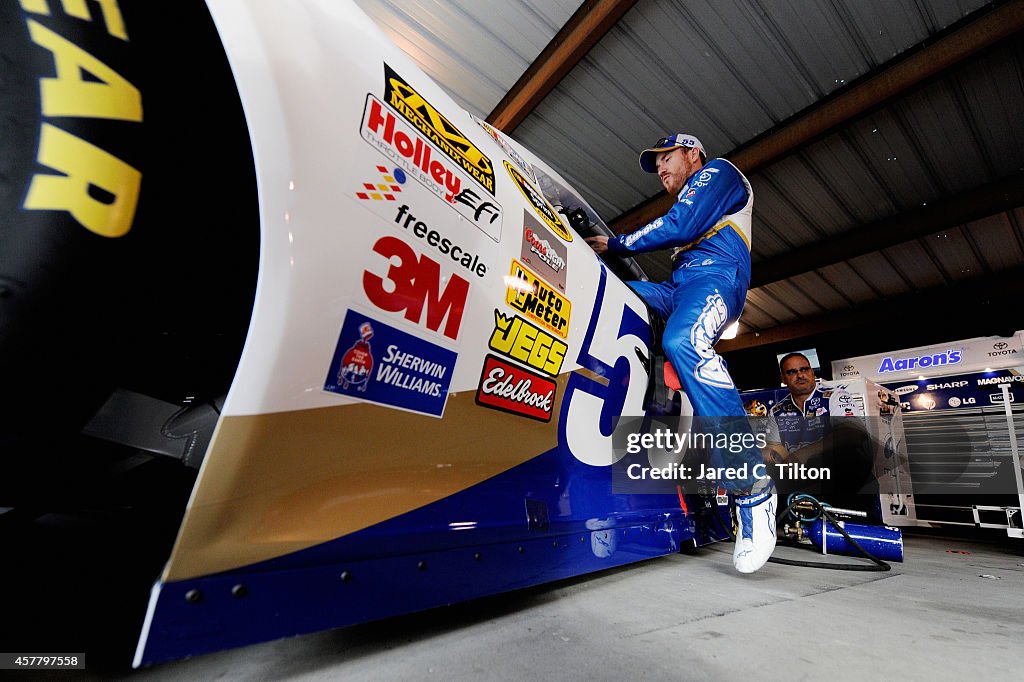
(546, 212)
(529, 294)
(406, 147)
(442, 132)
(542, 252)
(519, 340)
(378, 363)
(510, 388)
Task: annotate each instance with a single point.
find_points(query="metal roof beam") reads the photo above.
(962, 295)
(884, 84)
(947, 213)
(585, 28)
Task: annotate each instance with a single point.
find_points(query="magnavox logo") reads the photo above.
(442, 132)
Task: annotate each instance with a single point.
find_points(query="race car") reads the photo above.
(251, 246)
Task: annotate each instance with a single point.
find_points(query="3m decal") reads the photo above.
(509, 150)
(546, 212)
(442, 132)
(542, 253)
(517, 339)
(404, 218)
(529, 294)
(411, 283)
(393, 137)
(510, 388)
(376, 362)
(387, 185)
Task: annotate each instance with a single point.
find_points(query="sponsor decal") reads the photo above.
(997, 398)
(529, 294)
(411, 284)
(903, 390)
(517, 339)
(949, 357)
(387, 186)
(722, 497)
(990, 381)
(1001, 348)
(945, 386)
(393, 137)
(378, 363)
(542, 253)
(711, 367)
(510, 388)
(509, 150)
(543, 209)
(405, 219)
(404, 99)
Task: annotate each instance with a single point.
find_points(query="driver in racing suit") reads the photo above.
(709, 230)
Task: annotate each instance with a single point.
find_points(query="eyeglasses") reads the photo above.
(797, 370)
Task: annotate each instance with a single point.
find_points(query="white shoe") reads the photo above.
(755, 530)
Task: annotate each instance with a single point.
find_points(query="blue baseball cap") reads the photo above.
(649, 157)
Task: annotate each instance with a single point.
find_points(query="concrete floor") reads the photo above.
(953, 610)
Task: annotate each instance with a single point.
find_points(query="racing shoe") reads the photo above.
(755, 529)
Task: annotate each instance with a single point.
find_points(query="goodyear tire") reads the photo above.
(128, 218)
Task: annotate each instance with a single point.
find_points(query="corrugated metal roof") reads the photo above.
(730, 71)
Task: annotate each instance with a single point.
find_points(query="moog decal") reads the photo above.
(376, 362)
(510, 388)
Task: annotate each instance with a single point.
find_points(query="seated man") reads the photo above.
(802, 432)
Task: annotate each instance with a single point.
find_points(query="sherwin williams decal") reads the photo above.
(442, 132)
(378, 363)
(411, 283)
(528, 293)
(543, 254)
(510, 388)
(384, 187)
(540, 204)
(402, 144)
(516, 338)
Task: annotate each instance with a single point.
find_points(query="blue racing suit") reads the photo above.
(709, 226)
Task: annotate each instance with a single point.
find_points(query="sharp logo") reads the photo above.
(540, 204)
(442, 132)
(949, 357)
